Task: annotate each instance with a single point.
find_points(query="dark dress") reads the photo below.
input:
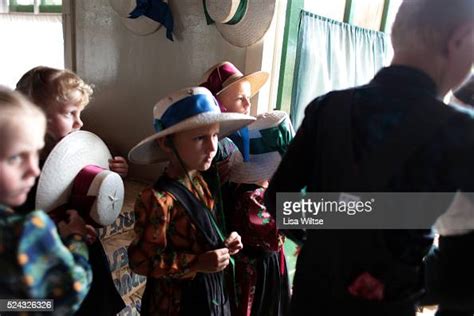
(261, 273)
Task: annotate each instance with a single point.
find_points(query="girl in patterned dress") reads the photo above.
(261, 273)
(34, 262)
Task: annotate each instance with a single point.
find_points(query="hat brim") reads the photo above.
(252, 27)
(68, 157)
(256, 79)
(148, 151)
(259, 168)
(269, 119)
(139, 26)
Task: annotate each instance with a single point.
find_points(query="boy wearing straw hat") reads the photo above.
(261, 277)
(180, 245)
(34, 262)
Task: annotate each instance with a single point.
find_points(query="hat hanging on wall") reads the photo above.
(241, 22)
(144, 17)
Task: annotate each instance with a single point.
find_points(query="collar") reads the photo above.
(404, 77)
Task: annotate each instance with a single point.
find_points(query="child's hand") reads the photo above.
(223, 168)
(212, 261)
(233, 243)
(74, 225)
(119, 165)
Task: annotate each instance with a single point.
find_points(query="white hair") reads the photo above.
(428, 24)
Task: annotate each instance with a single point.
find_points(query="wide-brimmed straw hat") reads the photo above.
(224, 75)
(144, 17)
(183, 110)
(75, 175)
(269, 136)
(241, 22)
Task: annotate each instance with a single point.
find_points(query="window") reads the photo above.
(35, 6)
(333, 9)
(367, 13)
(377, 15)
(33, 30)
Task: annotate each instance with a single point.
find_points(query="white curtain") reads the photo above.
(332, 55)
(29, 40)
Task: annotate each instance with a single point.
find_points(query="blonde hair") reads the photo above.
(428, 24)
(14, 106)
(47, 86)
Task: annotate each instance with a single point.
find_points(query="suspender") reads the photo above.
(199, 215)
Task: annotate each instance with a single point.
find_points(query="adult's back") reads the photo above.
(433, 45)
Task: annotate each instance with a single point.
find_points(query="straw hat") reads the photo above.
(141, 25)
(182, 110)
(270, 136)
(224, 75)
(67, 179)
(241, 22)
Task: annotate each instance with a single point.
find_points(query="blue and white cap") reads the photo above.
(182, 110)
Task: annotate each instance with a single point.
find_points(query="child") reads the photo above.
(34, 263)
(63, 96)
(261, 274)
(233, 91)
(179, 244)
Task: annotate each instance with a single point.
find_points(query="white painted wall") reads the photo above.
(131, 72)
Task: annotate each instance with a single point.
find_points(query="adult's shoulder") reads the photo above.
(459, 129)
(319, 103)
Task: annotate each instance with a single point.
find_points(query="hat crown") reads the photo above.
(220, 76)
(123, 7)
(222, 11)
(163, 106)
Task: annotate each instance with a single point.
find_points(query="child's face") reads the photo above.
(197, 147)
(237, 98)
(64, 119)
(19, 149)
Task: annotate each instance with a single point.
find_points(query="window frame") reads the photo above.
(290, 39)
(39, 7)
